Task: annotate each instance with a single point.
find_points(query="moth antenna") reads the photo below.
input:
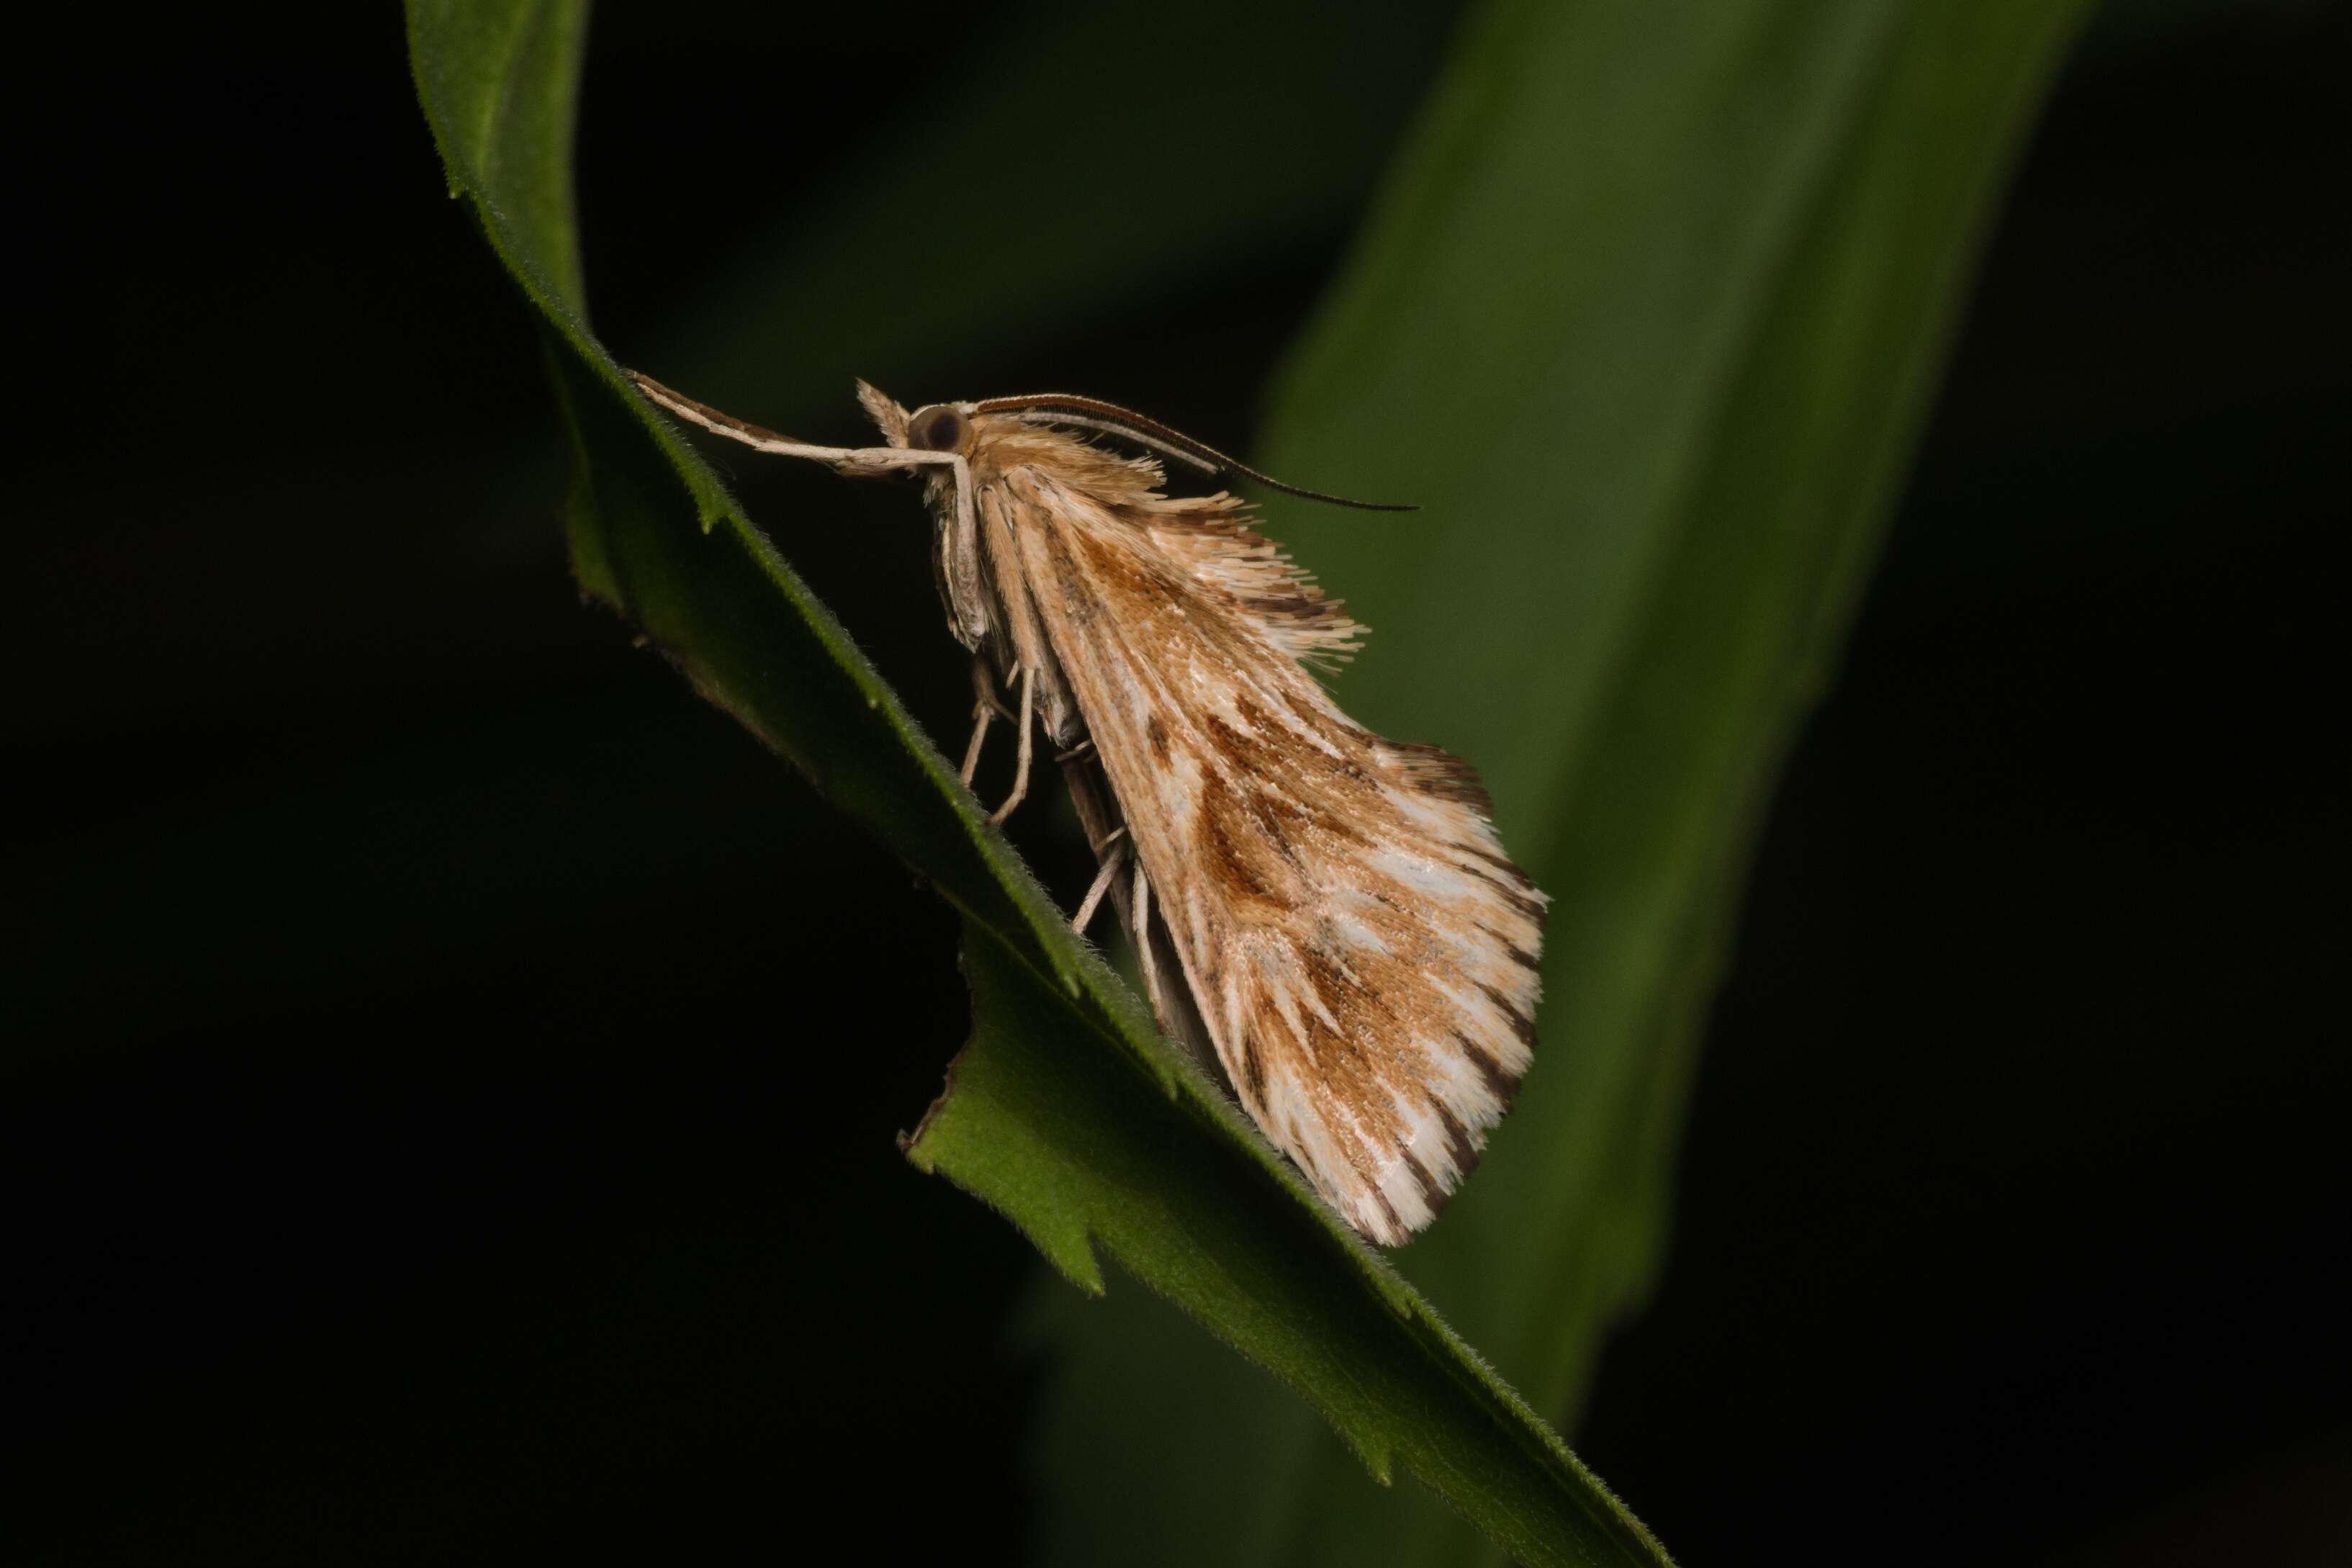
(1094, 414)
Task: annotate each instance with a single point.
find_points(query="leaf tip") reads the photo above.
(1379, 1457)
(1071, 1251)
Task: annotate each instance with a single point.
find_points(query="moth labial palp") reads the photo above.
(1325, 917)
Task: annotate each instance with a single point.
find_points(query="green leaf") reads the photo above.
(1073, 218)
(1071, 1144)
(1647, 318)
(1066, 1111)
(500, 87)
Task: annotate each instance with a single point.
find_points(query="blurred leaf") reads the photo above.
(1647, 319)
(1139, 163)
(1066, 1111)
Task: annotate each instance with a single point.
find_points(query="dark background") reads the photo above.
(451, 1072)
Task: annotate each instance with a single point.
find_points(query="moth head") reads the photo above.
(939, 428)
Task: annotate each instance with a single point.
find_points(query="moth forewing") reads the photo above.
(1328, 913)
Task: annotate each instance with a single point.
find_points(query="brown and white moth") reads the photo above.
(1336, 926)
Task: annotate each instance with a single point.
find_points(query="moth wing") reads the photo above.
(1360, 948)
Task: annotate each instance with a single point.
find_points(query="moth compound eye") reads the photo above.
(938, 428)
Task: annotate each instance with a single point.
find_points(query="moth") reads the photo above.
(1323, 917)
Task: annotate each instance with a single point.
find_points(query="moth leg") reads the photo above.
(985, 705)
(1141, 900)
(967, 512)
(1021, 764)
(1085, 748)
(980, 717)
(984, 692)
(1116, 854)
